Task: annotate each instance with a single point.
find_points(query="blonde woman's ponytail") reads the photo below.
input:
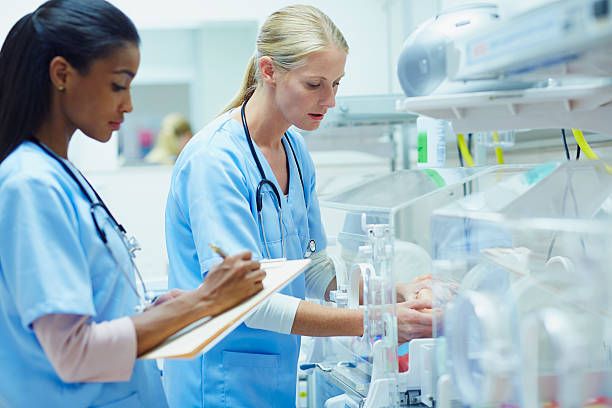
(249, 83)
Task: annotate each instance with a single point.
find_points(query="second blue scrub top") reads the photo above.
(53, 261)
(213, 199)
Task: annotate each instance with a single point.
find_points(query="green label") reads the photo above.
(422, 147)
(435, 177)
(538, 173)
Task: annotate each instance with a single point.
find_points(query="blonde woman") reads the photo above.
(174, 134)
(247, 181)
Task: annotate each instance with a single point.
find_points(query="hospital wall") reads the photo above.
(373, 28)
(193, 55)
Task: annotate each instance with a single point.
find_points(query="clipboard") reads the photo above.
(202, 335)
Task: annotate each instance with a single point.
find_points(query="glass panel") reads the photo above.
(529, 323)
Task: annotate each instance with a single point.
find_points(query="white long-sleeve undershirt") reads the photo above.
(83, 351)
(277, 313)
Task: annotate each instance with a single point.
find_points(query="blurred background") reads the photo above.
(193, 56)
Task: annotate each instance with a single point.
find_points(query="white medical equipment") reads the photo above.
(528, 249)
(509, 259)
(422, 67)
(558, 55)
(391, 244)
(530, 325)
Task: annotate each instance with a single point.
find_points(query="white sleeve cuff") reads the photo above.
(319, 274)
(274, 314)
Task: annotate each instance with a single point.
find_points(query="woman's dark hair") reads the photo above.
(81, 31)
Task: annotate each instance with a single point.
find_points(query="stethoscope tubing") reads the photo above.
(118, 227)
(266, 182)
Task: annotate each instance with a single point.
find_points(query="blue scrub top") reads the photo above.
(213, 199)
(53, 261)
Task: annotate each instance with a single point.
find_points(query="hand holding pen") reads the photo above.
(226, 284)
(233, 280)
(218, 250)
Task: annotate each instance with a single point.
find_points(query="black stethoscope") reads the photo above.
(312, 246)
(130, 243)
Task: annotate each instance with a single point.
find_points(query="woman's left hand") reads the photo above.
(164, 297)
(421, 289)
(412, 291)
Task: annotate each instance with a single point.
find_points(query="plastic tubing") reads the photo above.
(584, 146)
(464, 150)
(498, 151)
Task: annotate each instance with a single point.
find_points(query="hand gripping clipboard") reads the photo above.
(202, 335)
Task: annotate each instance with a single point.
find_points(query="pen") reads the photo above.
(218, 250)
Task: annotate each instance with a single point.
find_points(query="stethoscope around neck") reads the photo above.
(130, 243)
(265, 182)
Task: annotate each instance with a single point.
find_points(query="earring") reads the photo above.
(61, 88)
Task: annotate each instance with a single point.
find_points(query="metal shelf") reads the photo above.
(586, 105)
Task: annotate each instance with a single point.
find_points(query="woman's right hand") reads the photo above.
(228, 283)
(414, 320)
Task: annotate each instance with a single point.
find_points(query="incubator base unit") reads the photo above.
(353, 379)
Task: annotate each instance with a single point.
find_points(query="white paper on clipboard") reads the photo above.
(202, 335)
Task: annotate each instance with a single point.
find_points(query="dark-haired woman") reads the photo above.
(68, 294)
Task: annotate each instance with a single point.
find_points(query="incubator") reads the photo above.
(379, 233)
(529, 324)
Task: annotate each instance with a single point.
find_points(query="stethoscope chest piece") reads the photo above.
(312, 248)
